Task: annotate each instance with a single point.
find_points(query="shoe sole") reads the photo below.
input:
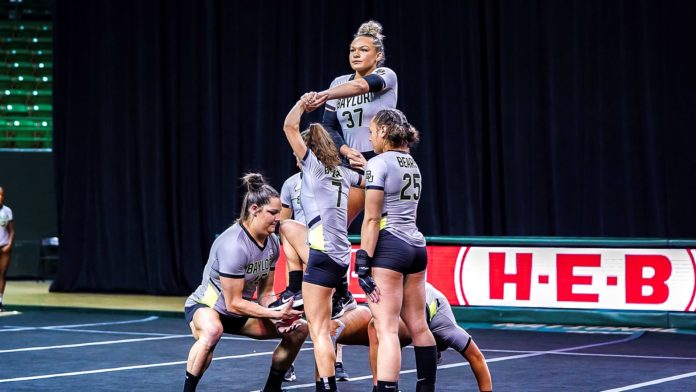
(339, 314)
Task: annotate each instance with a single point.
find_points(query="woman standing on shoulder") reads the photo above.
(353, 99)
(351, 102)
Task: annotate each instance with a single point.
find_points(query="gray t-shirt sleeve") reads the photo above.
(275, 242)
(354, 178)
(375, 174)
(286, 193)
(311, 165)
(388, 75)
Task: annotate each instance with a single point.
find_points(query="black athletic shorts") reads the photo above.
(322, 270)
(395, 254)
(229, 324)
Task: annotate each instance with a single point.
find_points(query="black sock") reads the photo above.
(387, 386)
(295, 281)
(275, 380)
(191, 382)
(326, 384)
(342, 287)
(426, 367)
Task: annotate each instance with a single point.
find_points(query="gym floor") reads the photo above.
(125, 347)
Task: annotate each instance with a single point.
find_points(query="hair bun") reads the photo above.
(253, 181)
(372, 28)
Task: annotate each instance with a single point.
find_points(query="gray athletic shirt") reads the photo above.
(325, 203)
(397, 174)
(432, 295)
(355, 113)
(5, 219)
(290, 196)
(442, 322)
(234, 254)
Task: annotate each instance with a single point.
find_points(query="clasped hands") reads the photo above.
(312, 100)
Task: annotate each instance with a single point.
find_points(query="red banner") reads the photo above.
(581, 278)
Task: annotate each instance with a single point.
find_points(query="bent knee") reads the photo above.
(318, 329)
(418, 328)
(291, 228)
(210, 334)
(301, 332)
(386, 323)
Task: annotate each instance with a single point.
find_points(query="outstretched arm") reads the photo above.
(344, 90)
(291, 127)
(478, 366)
(373, 82)
(348, 89)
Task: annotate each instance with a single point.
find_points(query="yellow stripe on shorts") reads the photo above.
(432, 309)
(210, 297)
(316, 237)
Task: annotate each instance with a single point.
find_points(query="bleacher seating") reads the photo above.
(26, 74)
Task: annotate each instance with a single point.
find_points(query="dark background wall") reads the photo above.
(550, 118)
(27, 179)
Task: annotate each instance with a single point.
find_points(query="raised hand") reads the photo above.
(313, 100)
(308, 97)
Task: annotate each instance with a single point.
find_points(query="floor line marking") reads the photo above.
(40, 348)
(16, 379)
(596, 355)
(122, 368)
(628, 356)
(499, 359)
(157, 336)
(103, 332)
(652, 382)
(97, 331)
(19, 328)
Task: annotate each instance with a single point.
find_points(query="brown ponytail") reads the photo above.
(257, 192)
(399, 132)
(323, 147)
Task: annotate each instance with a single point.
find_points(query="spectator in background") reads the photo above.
(6, 241)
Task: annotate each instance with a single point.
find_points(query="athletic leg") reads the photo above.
(413, 314)
(386, 321)
(207, 330)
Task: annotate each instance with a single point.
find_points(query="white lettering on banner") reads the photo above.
(590, 278)
(458, 272)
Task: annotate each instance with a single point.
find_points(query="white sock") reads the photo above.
(339, 347)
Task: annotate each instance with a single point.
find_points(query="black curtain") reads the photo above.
(549, 118)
